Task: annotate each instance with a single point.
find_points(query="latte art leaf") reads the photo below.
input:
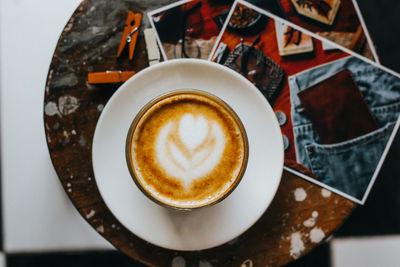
(192, 131)
(190, 149)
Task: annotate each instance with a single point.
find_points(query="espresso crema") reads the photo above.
(187, 149)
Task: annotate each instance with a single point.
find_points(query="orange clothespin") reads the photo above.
(113, 76)
(130, 33)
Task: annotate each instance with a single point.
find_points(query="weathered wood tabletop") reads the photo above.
(301, 216)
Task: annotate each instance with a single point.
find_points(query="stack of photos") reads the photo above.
(338, 111)
(189, 28)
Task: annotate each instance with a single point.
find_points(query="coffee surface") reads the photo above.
(187, 150)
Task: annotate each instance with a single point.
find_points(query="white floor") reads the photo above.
(366, 252)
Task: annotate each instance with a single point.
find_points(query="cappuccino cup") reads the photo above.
(186, 149)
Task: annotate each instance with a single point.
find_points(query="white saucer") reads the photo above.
(206, 227)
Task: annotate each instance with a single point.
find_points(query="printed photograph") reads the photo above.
(337, 20)
(188, 29)
(338, 112)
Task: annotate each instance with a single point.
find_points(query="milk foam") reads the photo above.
(190, 148)
(192, 131)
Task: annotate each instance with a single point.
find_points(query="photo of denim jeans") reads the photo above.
(350, 165)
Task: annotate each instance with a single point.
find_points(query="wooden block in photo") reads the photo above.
(291, 41)
(320, 10)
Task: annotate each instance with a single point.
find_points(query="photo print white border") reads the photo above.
(366, 32)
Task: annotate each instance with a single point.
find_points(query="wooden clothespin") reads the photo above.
(110, 76)
(130, 33)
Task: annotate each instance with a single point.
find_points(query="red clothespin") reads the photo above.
(130, 33)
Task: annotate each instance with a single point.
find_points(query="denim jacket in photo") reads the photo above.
(347, 166)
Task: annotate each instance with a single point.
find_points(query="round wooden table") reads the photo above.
(301, 216)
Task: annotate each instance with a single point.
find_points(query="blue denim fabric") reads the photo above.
(347, 166)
